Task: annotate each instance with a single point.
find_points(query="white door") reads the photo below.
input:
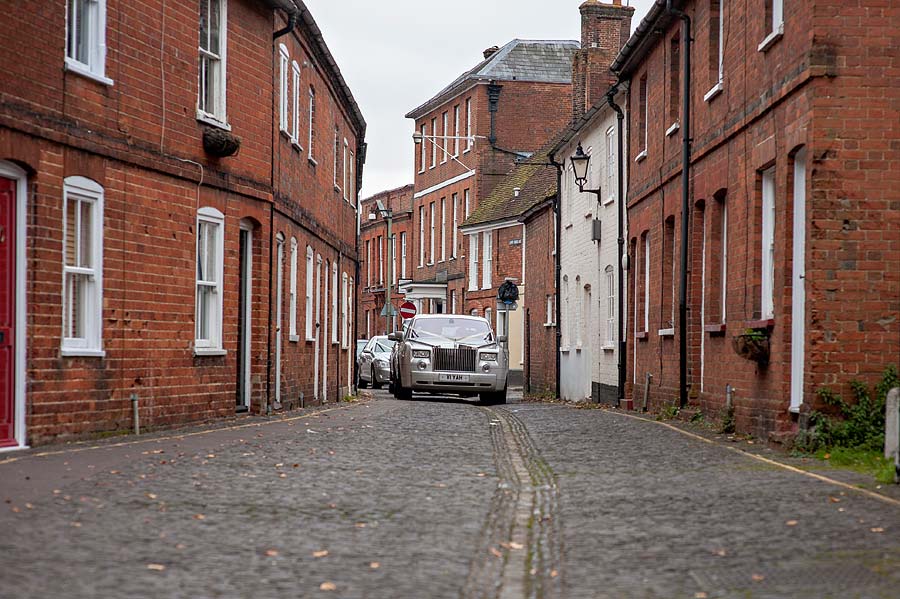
(798, 283)
(324, 335)
(279, 291)
(245, 302)
(317, 320)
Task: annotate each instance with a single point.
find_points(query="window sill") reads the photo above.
(310, 339)
(666, 332)
(672, 129)
(312, 161)
(549, 325)
(421, 171)
(209, 119)
(285, 134)
(467, 150)
(210, 352)
(294, 338)
(337, 188)
(715, 329)
(771, 39)
(641, 336)
(588, 215)
(608, 348)
(296, 146)
(569, 226)
(78, 352)
(73, 66)
(765, 323)
(609, 200)
(640, 157)
(714, 91)
(431, 167)
(564, 350)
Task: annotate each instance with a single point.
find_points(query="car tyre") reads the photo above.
(494, 398)
(375, 383)
(402, 393)
(360, 383)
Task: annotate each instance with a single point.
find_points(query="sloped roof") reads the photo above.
(543, 61)
(536, 180)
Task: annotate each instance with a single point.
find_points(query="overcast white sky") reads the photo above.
(395, 54)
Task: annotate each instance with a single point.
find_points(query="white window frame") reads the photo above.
(611, 165)
(310, 265)
(421, 236)
(216, 116)
(403, 255)
(212, 345)
(443, 229)
(646, 266)
(453, 301)
(466, 204)
(295, 120)
(433, 142)
(368, 262)
(394, 274)
(284, 116)
(423, 148)
(334, 303)
(352, 181)
(444, 121)
(312, 124)
(551, 310)
(381, 261)
(610, 306)
(94, 65)
(487, 259)
(346, 170)
(468, 129)
(344, 304)
(767, 234)
(292, 314)
(724, 273)
(775, 27)
(455, 201)
(337, 143)
(431, 241)
(473, 262)
(88, 192)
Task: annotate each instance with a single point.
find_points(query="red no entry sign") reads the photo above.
(407, 310)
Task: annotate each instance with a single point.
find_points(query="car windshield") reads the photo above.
(457, 329)
(382, 345)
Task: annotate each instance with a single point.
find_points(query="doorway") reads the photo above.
(279, 291)
(245, 301)
(798, 283)
(7, 312)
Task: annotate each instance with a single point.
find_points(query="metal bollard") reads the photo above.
(892, 430)
(136, 414)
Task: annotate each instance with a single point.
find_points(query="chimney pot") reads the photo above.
(491, 51)
(516, 191)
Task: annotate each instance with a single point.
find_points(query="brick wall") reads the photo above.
(540, 344)
(776, 98)
(140, 140)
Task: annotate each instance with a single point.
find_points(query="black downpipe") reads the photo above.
(292, 22)
(493, 91)
(620, 203)
(556, 210)
(685, 201)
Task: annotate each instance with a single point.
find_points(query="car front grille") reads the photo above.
(455, 360)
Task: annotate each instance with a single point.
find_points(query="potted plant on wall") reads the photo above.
(752, 344)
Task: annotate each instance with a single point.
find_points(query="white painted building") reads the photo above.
(589, 266)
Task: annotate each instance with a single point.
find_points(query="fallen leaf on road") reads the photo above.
(374, 565)
(76, 524)
(56, 491)
(16, 509)
(700, 595)
(309, 430)
(791, 523)
(827, 456)
(156, 567)
(834, 500)
(321, 553)
(758, 577)
(515, 546)
(180, 546)
(113, 471)
(877, 529)
(495, 552)
(481, 474)
(199, 517)
(360, 525)
(282, 475)
(296, 465)
(840, 509)
(553, 573)
(720, 552)
(271, 553)
(29, 506)
(151, 496)
(279, 465)
(327, 586)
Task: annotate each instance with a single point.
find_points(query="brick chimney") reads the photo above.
(491, 51)
(605, 28)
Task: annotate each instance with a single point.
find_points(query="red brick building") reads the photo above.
(143, 256)
(374, 253)
(471, 136)
(792, 225)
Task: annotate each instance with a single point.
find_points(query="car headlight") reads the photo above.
(421, 353)
(381, 363)
(489, 357)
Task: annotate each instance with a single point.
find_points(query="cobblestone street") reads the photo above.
(434, 498)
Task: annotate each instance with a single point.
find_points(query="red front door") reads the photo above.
(7, 311)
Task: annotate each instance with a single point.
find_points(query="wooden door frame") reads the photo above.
(11, 171)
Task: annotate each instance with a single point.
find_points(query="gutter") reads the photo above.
(620, 209)
(560, 167)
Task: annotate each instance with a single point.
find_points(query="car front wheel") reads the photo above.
(494, 398)
(375, 383)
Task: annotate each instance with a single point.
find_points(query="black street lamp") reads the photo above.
(580, 163)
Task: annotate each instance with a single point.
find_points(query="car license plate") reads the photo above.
(453, 378)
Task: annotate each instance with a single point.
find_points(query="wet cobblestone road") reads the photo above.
(434, 498)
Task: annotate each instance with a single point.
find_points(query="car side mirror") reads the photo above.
(502, 338)
(396, 336)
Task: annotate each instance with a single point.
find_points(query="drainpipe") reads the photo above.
(293, 16)
(685, 199)
(493, 91)
(620, 204)
(556, 211)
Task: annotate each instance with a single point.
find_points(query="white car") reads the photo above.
(450, 353)
(373, 364)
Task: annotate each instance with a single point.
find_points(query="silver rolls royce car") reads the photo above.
(450, 353)
(373, 367)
